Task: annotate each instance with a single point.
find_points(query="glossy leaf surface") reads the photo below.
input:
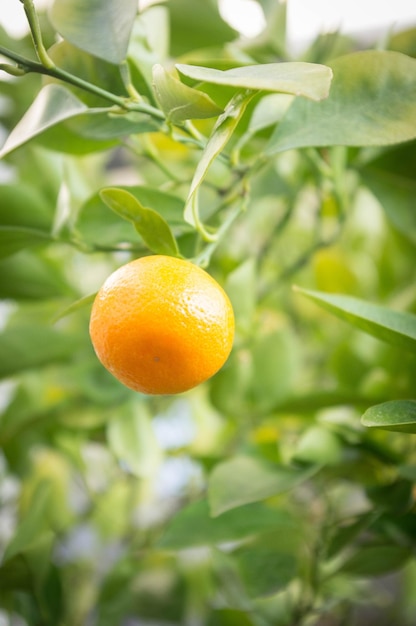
(299, 79)
(395, 327)
(396, 415)
(53, 104)
(153, 229)
(100, 27)
(372, 102)
(180, 102)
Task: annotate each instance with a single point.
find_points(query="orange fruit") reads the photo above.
(161, 325)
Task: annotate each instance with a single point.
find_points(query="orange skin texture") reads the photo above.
(161, 325)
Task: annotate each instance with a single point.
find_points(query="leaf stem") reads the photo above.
(204, 257)
(27, 65)
(36, 33)
(144, 147)
(338, 156)
(318, 163)
(206, 236)
(128, 83)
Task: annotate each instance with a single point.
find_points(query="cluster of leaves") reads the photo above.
(281, 492)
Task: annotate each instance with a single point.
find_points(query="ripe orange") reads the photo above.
(161, 325)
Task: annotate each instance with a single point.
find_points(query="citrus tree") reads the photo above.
(281, 491)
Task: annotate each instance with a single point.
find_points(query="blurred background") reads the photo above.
(106, 468)
(306, 18)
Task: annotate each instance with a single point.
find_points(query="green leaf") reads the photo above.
(408, 472)
(13, 239)
(314, 400)
(94, 130)
(404, 41)
(221, 134)
(180, 102)
(243, 480)
(81, 303)
(265, 568)
(106, 124)
(100, 27)
(25, 206)
(15, 574)
(28, 407)
(397, 415)
(229, 388)
(142, 56)
(373, 561)
(97, 226)
(300, 79)
(344, 535)
(52, 594)
(29, 276)
(52, 105)
(65, 140)
(260, 377)
(396, 195)
(273, 36)
(394, 327)
(132, 440)
(33, 525)
(274, 366)
(151, 226)
(397, 161)
(88, 68)
(229, 617)
(193, 525)
(372, 102)
(270, 110)
(241, 289)
(196, 24)
(318, 444)
(395, 497)
(32, 346)
(114, 599)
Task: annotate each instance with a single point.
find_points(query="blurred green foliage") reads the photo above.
(282, 491)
